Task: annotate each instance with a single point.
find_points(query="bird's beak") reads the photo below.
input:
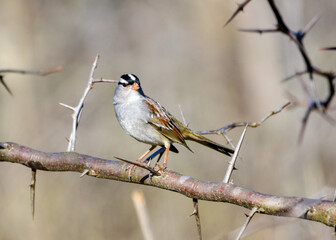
(135, 86)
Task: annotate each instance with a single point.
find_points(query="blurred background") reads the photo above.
(182, 55)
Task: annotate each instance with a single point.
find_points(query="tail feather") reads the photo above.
(208, 143)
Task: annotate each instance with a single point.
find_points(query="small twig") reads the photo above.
(182, 115)
(32, 72)
(240, 8)
(32, 191)
(78, 109)
(153, 171)
(247, 221)
(231, 166)
(197, 217)
(101, 80)
(242, 124)
(142, 213)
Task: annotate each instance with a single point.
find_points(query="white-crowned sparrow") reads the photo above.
(147, 121)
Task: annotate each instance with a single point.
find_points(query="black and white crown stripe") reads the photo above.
(128, 79)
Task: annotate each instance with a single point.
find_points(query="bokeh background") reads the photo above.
(182, 55)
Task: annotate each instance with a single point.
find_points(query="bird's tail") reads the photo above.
(208, 143)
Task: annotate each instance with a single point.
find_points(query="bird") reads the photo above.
(147, 121)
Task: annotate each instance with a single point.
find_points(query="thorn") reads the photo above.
(67, 106)
(86, 171)
(153, 171)
(193, 213)
(2, 81)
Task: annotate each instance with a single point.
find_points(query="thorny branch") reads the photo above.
(20, 71)
(323, 211)
(297, 37)
(243, 124)
(77, 111)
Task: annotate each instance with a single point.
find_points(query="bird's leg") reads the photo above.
(166, 157)
(158, 152)
(145, 154)
(139, 160)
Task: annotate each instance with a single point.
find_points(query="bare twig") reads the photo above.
(103, 80)
(142, 213)
(242, 124)
(32, 191)
(248, 219)
(197, 218)
(323, 211)
(32, 72)
(78, 109)
(231, 166)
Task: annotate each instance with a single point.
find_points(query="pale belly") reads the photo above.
(135, 123)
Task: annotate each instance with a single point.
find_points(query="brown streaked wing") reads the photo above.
(161, 120)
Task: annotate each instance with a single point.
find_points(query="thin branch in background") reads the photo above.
(231, 166)
(247, 221)
(197, 218)
(240, 8)
(32, 191)
(243, 124)
(297, 37)
(32, 72)
(142, 213)
(304, 124)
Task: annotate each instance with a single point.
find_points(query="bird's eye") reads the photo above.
(124, 84)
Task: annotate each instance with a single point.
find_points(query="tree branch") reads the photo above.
(323, 211)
